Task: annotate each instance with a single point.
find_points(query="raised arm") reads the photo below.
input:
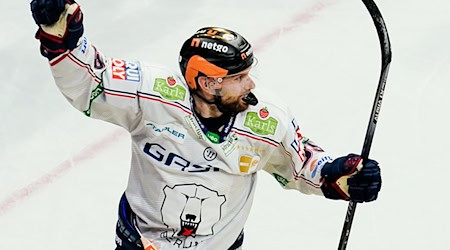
(100, 87)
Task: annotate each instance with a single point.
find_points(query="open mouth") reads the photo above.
(188, 228)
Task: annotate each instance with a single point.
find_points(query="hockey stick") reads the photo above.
(386, 55)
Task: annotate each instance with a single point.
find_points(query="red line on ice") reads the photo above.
(60, 170)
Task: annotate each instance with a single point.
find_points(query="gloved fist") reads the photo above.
(347, 178)
(60, 25)
(47, 11)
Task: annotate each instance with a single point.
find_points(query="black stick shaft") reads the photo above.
(386, 55)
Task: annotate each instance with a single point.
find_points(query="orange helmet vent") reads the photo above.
(198, 64)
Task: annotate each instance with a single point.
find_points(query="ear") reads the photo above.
(203, 83)
(203, 86)
(209, 84)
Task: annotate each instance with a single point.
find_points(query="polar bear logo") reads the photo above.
(191, 209)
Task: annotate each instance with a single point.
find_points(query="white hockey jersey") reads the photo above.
(187, 190)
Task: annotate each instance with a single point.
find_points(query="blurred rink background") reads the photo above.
(61, 174)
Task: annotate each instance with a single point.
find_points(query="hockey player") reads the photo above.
(198, 138)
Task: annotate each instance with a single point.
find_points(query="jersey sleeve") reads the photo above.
(100, 87)
(297, 162)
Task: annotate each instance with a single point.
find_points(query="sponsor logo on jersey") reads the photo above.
(169, 90)
(173, 160)
(94, 94)
(316, 164)
(84, 46)
(283, 181)
(123, 70)
(261, 123)
(263, 113)
(171, 131)
(190, 121)
(229, 145)
(213, 137)
(189, 210)
(247, 163)
(209, 154)
(171, 80)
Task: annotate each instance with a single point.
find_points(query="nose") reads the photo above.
(249, 84)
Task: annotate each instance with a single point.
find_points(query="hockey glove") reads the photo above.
(347, 178)
(60, 25)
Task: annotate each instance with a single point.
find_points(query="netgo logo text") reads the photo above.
(208, 45)
(123, 70)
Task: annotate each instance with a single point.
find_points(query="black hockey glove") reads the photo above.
(60, 25)
(347, 179)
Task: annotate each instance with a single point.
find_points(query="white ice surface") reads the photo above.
(61, 174)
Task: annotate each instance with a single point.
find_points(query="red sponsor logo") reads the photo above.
(171, 80)
(264, 113)
(123, 70)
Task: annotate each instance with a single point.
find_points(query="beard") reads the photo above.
(234, 104)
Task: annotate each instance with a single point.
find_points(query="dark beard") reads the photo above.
(234, 105)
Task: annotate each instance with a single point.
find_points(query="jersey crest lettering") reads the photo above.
(171, 159)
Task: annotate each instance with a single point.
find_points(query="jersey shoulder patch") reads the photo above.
(264, 120)
(165, 84)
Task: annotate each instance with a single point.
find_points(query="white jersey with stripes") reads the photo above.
(187, 190)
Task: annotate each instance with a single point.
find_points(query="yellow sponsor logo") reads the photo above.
(247, 163)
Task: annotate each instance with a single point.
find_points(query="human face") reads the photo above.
(234, 88)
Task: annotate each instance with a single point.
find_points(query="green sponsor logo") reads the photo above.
(259, 126)
(213, 137)
(169, 92)
(94, 94)
(283, 181)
